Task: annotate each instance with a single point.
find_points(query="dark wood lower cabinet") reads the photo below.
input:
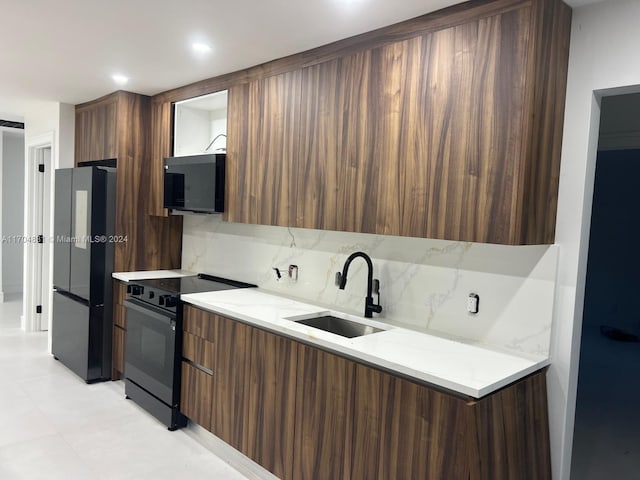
(230, 381)
(117, 363)
(270, 412)
(196, 395)
(119, 329)
(304, 413)
(324, 407)
(509, 433)
(405, 430)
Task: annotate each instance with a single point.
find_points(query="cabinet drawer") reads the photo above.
(196, 395)
(198, 350)
(199, 323)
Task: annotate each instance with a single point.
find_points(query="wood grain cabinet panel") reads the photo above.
(231, 381)
(96, 135)
(262, 133)
(509, 433)
(119, 329)
(452, 132)
(405, 430)
(123, 119)
(324, 408)
(304, 413)
(161, 135)
(118, 341)
(270, 415)
(425, 137)
(196, 395)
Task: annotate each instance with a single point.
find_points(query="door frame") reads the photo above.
(30, 320)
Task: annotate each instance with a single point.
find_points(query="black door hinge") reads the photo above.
(41, 168)
(39, 309)
(40, 238)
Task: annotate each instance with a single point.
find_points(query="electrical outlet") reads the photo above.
(473, 302)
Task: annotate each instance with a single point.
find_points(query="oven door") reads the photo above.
(150, 349)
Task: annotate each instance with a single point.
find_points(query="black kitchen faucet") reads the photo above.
(373, 285)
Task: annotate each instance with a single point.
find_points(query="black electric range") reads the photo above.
(153, 345)
(165, 293)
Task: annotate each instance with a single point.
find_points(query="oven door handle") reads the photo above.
(164, 318)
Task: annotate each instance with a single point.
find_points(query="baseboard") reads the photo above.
(1, 297)
(228, 454)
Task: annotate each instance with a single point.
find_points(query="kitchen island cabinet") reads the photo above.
(353, 420)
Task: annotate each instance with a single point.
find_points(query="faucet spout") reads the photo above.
(369, 306)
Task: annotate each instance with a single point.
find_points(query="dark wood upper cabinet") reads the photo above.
(445, 126)
(96, 130)
(262, 144)
(117, 126)
(422, 137)
(161, 121)
(452, 133)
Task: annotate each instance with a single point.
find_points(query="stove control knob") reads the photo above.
(171, 301)
(152, 294)
(167, 301)
(135, 289)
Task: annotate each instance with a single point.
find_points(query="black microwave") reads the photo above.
(195, 183)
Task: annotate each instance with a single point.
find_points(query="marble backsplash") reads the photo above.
(424, 283)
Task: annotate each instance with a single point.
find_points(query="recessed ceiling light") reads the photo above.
(201, 47)
(120, 79)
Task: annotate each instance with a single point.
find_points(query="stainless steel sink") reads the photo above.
(339, 326)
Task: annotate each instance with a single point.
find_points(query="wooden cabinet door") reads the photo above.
(270, 417)
(230, 380)
(262, 137)
(405, 430)
(96, 136)
(422, 137)
(324, 405)
(161, 135)
(337, 175)
(196, 395)
(509, 433)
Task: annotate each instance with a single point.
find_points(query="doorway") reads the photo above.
(38, 233)
(606, 441)
(12, 202)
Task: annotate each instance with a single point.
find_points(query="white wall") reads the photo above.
(603, 56)
(12, 163)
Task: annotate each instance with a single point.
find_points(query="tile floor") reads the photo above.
(54, 426)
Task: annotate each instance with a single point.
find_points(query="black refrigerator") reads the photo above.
(84, 223)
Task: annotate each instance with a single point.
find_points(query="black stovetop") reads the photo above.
(193, 284)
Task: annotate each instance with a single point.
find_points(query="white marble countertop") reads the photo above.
(465, 368)
(147, 274)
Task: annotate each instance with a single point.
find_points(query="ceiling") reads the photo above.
(67, 51)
